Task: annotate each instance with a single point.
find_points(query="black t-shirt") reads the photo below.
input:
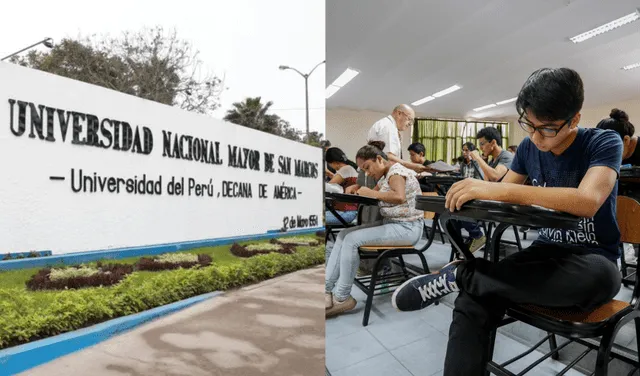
(634, 159)
(426, 187)
(592, 147)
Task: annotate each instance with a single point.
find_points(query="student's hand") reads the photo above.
(469, 189)
(352, 189)
(328, 173)
(366, 192)
(475, 155)
(422, 169)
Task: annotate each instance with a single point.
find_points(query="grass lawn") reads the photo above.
(27, 315)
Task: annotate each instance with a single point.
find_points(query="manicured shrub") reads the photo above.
(75, 277)
(173, 261)
(296, 240)
(251, 250)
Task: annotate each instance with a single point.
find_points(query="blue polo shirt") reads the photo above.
(592, 147)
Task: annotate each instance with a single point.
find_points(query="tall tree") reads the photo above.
(253, 113)
(313, 139)
(151, 64)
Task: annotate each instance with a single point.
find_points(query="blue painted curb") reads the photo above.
(120, 253)
(21, 358)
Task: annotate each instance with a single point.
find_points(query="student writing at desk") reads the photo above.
(470, 169)
(397, 189)
(490, 140)
(417, 152)
(618, 122)
(345, 176)
(573, 170)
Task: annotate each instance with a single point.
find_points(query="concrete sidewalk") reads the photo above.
(272, 328)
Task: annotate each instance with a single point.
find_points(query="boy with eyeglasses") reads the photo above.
(572, 170)
(490, 142)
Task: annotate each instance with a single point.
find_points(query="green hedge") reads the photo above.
(23, 319)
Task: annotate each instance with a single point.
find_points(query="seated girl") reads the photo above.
(402, 224)
(346, 175)
(618, 122)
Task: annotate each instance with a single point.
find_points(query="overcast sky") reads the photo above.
(244, 40)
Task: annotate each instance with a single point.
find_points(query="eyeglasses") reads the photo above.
(407, 116)
(546, 130)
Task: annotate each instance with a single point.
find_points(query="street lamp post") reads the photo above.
(48, 42)
(306, 88)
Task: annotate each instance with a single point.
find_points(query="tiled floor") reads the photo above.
(414, 343)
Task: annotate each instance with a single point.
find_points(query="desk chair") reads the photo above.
(628, 224)
(604, 322)
(370, 284)
(628, 279)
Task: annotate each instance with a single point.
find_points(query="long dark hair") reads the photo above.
(372, 150)
(470, 145)
(336, 155)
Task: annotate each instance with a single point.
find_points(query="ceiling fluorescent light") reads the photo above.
(436, 95)
(345, 77)
(507, 101)
(423, 100)
(339, 82)
(447, 91)
(607, 27)
(484, 107)
(331, 89)
(632, 66)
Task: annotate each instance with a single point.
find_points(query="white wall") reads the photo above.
(38, 213)
(348, 129)
(591, 116)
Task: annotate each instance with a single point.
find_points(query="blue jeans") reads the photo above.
(348, 216)
(343, 260)
(472, 228)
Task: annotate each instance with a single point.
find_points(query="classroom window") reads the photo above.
(443, 139)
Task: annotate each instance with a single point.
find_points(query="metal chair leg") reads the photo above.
(606, 343)
(492, 345)
(488, 236)
(515, 232)
(623, 264)
(437, 224)
(425, 266)
(553, 344)
(404, 267)
(372, 290)
(636, 323)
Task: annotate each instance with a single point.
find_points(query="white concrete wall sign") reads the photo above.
(86, 168)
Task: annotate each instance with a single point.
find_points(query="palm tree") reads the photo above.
(252, 113)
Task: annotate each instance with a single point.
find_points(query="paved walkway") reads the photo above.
(273, 328)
